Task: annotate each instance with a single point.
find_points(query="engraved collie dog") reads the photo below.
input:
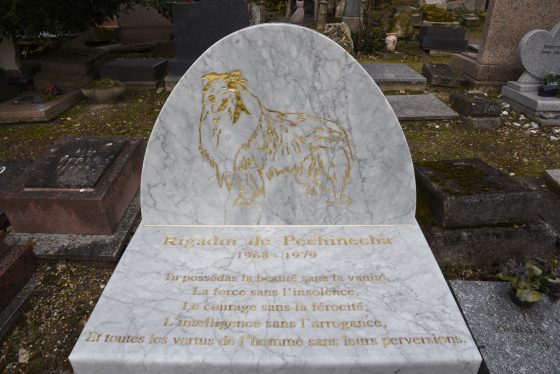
(246, 143)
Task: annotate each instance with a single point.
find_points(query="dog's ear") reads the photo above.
(209, 76)
(236, 74)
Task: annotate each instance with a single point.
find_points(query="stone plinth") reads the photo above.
(471, 193)
(442, 75)
(278, 228)
(7, 91)
(3, 219)
(447, 38)
(552, 178)
(82, 186)
(143, 24)
(23, 108)
(497, 60)
(420, 108)
(544, 110)
(475, 105)
(511, 339)
(200, 24)
(135, 72)
(475, 215)
(69, 68)
(540, 55)
(17, 265)
(490, 245)
(396, 77)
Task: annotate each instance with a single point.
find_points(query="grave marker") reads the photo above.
(539, 51)
(81, 186)
(278, 210)
(511, 339)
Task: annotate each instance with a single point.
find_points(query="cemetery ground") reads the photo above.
(67, 291)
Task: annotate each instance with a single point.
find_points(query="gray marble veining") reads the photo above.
(394, 282)
(298, 131)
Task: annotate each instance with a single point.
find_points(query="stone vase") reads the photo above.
(104, 95)
(391, 42)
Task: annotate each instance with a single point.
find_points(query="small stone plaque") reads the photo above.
(539, 51)
(420, 107)
(511, 339)
(74, 163)
(475, 105)
(442, 75)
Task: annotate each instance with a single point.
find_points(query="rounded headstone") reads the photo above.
(539, 51)
(277, 124)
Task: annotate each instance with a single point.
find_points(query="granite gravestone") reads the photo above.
(135, 72)
(443, 75)
(539, 52)
(396, 77)
(512, 339)
(475, 215)
(278, 228)
(7, 91)
(200, 24)
(81, 186)
(507, 21)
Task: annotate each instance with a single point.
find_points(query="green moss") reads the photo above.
(433, 13)
(462, 179)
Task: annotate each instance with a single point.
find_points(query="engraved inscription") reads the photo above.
(247, 143)
(77, 163)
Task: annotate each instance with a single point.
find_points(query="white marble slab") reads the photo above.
(313, 114)
(276, 125)
(401, 312)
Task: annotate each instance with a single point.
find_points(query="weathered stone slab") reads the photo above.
(74, 164)
(468, 192)
(475, 105)
(82, 247)
(549, 204)
(420, 107)
(74, 61)
(443, 38)
(23, 109)
(200, 24)
(482, 123)
(442, 43)
(67, 200)
(511, 339)
(7, 91)
(395, 77)
(539, 51)
(17, 265)
(11, 313)
(545, 118)
(532, 100)
(157, 265)
(491, 245)
(249, 232)
(135, 70)
(442, 75)
(3, 218)
(552, 178)
(498, 58)
(443, 32)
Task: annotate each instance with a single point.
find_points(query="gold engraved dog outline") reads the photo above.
(245, 143)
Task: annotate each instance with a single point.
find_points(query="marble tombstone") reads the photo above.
(278, 230)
